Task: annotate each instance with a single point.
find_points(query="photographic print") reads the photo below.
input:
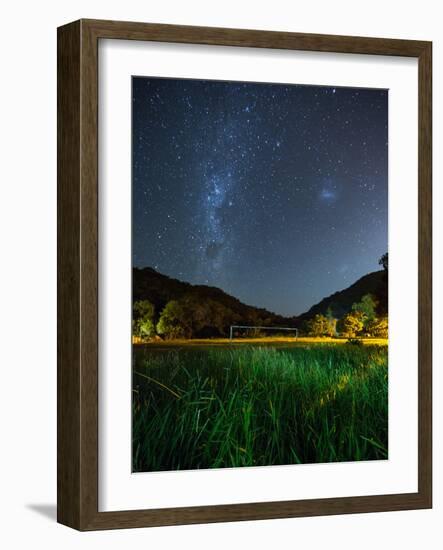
(259, 274)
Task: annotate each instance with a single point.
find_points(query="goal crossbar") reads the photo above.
(232, 327)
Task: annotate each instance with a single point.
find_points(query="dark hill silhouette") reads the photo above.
(159, 289)
(341, 302)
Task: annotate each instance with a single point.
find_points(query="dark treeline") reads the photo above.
(181, 310)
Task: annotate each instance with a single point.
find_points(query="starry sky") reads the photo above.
(275, 193)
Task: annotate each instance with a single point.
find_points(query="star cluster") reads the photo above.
(277, 194)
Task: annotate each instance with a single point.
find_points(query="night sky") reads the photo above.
(277, 194)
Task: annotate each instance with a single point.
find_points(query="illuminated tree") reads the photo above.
(367, 307)
(143, 319)
(378, 328)
(318, 326)
(351, 324)
(332, 323)
(173, 322)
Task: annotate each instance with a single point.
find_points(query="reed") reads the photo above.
(255, 406)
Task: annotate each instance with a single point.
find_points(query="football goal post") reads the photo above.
(236, 328)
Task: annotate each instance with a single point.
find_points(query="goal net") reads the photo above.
(248, 331)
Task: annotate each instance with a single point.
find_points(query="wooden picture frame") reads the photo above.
(78, 274)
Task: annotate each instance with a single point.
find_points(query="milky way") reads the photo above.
(275, 193)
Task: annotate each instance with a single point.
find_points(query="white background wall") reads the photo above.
(28, 271)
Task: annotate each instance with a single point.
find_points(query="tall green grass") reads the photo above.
(219, 408)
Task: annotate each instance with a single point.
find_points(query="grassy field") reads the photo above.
(215, 406)
(266, 341)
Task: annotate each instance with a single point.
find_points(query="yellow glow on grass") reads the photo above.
(257, 341)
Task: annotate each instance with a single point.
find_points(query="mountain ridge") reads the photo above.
(339, 303)
(159, 289)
